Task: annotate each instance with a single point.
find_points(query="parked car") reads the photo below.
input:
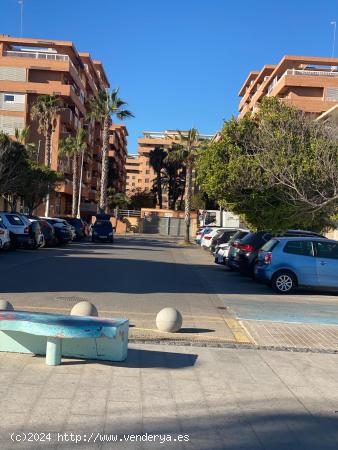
(102, 230)
(78, 224)
(200, 233)
(222, 238)
(223, 249)
(48, 232)
(5, 240)
(36, 226)
(290, 262)
(247, 256)
(231, 260)
(22, 232)
(209, 235)
(63, 232)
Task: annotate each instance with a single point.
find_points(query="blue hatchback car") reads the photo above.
(290, 262)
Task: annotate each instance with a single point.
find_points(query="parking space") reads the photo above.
(303, 319)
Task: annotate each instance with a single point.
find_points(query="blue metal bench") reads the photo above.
(56, 335)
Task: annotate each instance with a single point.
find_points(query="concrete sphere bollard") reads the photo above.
(169, 320)
(84, 309)
(5, 305)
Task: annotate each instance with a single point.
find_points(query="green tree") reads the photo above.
(22, 136)
(73, 147)
(36, 183)
(116, 199)
(278, 169)
(156, 161)
(142, 199)
(186, 149)
(13, 164)
(102, 108)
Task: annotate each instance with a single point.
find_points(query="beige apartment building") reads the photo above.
(31, 67)
(309, 83)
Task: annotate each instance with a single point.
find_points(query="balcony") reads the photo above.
(311, 73)
(302, 73)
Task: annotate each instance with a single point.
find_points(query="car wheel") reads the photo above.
(284, 282)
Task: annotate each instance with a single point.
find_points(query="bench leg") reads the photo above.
(53, 351)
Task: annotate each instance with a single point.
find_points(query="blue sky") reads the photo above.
(179, 63)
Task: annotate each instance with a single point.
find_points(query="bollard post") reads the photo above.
(53, 351)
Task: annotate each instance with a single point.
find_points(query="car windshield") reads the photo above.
(14, 219)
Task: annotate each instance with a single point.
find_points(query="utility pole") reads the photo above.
(334, 23)
(20, 2)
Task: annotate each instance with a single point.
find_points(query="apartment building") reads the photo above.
(117, 177)
(140, 174)
(32, 67)
(309, 83)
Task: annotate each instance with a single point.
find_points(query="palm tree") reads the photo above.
(45, 110)
(156, 160)
(103, 107)
(72, 147)
(186, 150)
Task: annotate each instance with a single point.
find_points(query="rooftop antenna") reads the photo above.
(20, 2)
(334, 23)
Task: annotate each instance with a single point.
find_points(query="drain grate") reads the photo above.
(222, 307)
(70, 299)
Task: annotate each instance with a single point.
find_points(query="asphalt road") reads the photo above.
(140, 275)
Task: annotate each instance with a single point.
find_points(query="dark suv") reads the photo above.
(247, 256)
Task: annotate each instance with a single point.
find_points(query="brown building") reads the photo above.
(31, 67)
(309, 83)
(117, 157)
(140, 175)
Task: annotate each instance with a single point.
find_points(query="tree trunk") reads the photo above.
(48, 146)
(48, 161)
(159, 189)
(104, 173)
(187, 205)
(76, 185)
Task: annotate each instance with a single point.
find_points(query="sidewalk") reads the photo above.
(215, 398)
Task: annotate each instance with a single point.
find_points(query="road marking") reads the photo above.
(238, 331)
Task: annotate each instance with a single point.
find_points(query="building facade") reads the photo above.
(118, 157)
(307, 83)
(32, 67)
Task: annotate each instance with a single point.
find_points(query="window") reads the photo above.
(331, 94)
(133, 184)
(14, 220)
(304, 248)
(270, 245)
(147, 180)
(9, 98)
(133, 178)
(147, 172)
(327, 250)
